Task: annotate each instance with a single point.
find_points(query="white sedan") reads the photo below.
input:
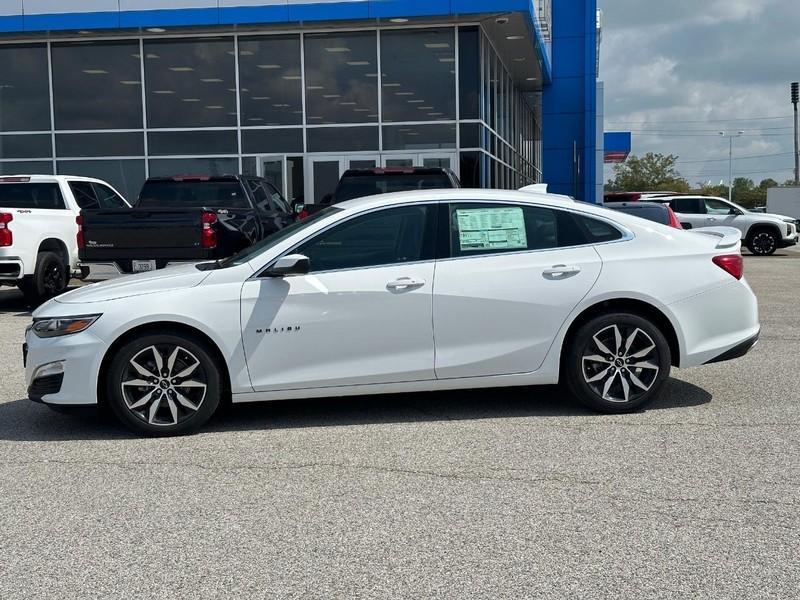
(419, 291)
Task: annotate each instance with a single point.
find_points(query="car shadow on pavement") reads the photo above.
(23, 420)
(12, 301)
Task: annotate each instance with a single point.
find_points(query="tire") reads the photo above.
(163, 405)
(602, 379)
(763, 242)
(49, 279)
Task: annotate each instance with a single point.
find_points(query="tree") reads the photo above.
(651, 172)
(768, 183)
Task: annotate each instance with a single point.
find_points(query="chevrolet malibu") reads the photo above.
(419, 291)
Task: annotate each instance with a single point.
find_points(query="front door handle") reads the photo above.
(558, 272)
(405, 284)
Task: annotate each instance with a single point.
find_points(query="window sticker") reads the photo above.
(491, 229)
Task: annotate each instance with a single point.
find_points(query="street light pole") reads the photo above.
(795, 100)
(730, 137)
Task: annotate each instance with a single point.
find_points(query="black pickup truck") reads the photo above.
(180, 219)
(358, 183)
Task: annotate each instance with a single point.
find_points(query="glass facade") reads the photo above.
(297, 107)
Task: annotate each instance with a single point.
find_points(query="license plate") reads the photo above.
(142, 266)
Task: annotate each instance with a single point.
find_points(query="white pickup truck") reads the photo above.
(762, 233)
(38, 229)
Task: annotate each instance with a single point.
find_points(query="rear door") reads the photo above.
(513, 275)
(691, 212)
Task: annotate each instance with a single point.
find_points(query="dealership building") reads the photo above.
(504, 92)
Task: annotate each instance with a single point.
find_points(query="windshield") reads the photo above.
(31, 195)
(370, 185)
(276, 238)
(192, 194)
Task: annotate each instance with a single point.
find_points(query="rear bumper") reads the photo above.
(12, 270)
(738, 350)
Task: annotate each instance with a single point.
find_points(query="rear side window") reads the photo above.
(480, 229)
(687, 206)
(31, 195)
(192, 194)
(656, 214)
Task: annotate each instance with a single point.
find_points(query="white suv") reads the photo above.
(38, 229)
(762, 233)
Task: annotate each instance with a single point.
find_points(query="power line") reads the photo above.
(701, 120)
(708, 160)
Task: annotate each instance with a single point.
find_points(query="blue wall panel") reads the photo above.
(569, 103)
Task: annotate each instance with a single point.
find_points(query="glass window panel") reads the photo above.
(325, 176)
(470, 169)
(99, 144)
(249, 165)
(270, 79)
(272, 141)
(191, 83)
(126, 176)
(164, 143)
(419, 137)
(419, 75)
(341, 78)
(295, 178)
(469, 76)
(342, 139)
(193, 166)
(26, 146)
(471, 135)
(97, 85)
(40, 167)
(24, 88)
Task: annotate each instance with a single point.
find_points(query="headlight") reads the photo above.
(57, 326)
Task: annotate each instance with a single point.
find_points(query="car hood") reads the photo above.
(162, 280)
(783, 218)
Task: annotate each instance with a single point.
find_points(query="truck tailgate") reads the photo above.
(142, 234)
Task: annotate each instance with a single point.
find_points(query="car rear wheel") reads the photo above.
(50, 278)
(763, 243)
(617, 363)
(161, 385)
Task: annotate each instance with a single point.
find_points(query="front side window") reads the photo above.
(718, 207)
(108, 198)
(386, 237)
(84, 195)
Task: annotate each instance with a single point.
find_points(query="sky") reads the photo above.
(677, 72)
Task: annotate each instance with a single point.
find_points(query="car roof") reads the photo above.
(634, 205)
(396, 171)
(51, 178)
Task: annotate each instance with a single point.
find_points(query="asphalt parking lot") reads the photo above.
(500, 494)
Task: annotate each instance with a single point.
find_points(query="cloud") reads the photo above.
(678, 72)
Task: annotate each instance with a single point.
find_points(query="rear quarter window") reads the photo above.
(596, 231)
(31, 195)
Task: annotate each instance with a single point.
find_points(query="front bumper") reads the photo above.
(790, 241)
(81, 355)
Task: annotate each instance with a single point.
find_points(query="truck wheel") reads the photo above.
(763, 243)
(50, 278)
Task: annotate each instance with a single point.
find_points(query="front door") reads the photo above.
(508, 287)
(363, 315)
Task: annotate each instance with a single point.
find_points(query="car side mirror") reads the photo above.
(298, 207)
(292, 264)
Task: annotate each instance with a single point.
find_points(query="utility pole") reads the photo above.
(795, 100)
(730, 137)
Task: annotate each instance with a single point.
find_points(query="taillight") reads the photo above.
(673, 219)
(208, 237)
(6, 236)
(303, 215)
(731, 263)
(80, 238)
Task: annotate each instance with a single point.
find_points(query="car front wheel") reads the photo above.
(617, 363)
(763, 243)
(161, 385)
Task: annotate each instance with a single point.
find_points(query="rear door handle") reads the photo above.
(405, 284)
(561, 272)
